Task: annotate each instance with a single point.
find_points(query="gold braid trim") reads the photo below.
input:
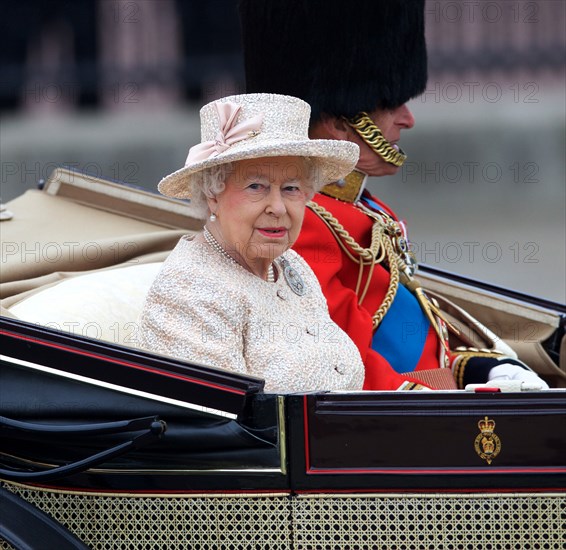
(393, 283)
(372, 135)
(380, 248)
(458, 371)
(462, 358)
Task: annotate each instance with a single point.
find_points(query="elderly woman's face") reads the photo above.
(261, 210)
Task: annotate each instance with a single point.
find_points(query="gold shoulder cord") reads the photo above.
(380, 248)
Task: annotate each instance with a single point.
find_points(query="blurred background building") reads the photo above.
(113, 87)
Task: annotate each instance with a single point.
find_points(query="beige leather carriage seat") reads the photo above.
(103, 305)
(81, 254)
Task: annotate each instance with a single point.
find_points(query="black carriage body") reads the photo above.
(239, 468)
(223, 433)
(428, 442)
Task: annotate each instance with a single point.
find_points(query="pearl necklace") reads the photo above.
(211, 240)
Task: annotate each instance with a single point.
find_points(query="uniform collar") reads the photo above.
(348, 189)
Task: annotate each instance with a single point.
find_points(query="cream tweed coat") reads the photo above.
(205, 308)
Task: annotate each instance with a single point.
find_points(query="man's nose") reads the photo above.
(404, 117)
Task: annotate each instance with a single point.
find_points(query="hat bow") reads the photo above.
(228, 134)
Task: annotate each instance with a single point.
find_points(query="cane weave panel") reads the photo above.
(329, 522)
(444, 522)
(144, 523)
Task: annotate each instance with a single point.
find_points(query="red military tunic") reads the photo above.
(338, 277)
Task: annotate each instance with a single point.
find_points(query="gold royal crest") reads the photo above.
(487, 444)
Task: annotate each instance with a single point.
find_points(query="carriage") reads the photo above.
(104, 445)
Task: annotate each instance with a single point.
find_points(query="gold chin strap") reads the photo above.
(372, 135)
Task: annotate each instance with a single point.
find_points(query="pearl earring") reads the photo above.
(212, 217)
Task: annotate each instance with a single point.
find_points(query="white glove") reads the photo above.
(507, 372)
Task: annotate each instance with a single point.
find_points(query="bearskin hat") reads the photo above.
(341, 56)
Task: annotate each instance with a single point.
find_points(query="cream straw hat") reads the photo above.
(254, 126)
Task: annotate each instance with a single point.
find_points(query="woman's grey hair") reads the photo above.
(212, 182)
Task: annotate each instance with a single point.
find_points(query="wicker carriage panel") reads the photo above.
(168, 522)
(439, 521)
(340, 522)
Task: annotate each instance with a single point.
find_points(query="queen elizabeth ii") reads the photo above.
(235, 296)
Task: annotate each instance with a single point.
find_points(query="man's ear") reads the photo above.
(331, 127)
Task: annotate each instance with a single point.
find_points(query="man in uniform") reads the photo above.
(357, 64)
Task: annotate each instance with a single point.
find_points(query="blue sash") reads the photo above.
(401, 336)
(371, 203)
